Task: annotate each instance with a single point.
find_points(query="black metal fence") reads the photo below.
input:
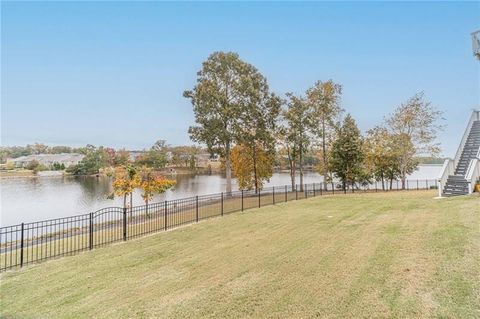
(27, 243)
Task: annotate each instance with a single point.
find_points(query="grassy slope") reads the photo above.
(392, 255)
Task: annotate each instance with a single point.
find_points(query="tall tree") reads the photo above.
(257, 126)
(226, 88)
(347, 152)
(407, 162)
(324, 99)
(415, 122)
(298, 118)
(382, 155)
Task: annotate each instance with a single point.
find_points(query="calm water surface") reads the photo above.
(35, 199)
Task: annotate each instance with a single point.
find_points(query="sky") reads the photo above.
(113, 73)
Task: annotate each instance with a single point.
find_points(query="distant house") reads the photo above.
(67, 159)
(133, 155)
(205, 159)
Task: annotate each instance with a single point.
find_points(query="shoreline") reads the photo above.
(176, 171)
(50, 174)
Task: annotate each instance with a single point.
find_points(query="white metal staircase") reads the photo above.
(458, 175)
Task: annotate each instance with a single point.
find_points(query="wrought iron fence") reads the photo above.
(27, 243)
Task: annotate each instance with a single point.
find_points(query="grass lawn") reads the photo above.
(385, 255)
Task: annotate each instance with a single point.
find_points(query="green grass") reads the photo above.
(394, 255)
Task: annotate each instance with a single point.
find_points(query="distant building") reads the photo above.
(133, 155)
(204, 159)
(67, 159)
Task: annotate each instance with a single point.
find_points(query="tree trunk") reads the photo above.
(291, 163)
(255, 168)
(131, 205)
(324, 148)
(146, 208)
(300, 167)
(125, 201)
(228, 170)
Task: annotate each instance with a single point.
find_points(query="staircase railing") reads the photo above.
(450, 164)
(448, 169)
(474, 117)
(473, 172)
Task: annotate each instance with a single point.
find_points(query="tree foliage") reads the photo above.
(382, 155)
(417, 119)
(124, 182)
(150, 183)
(347, 157)
(93, 161)
(227, 91)
(324, 99)
(416, 124)
(251, 170)
(298, 118)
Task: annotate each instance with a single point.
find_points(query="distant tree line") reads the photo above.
(157, 157)
(238, 117)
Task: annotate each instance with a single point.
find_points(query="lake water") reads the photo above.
(39, 198)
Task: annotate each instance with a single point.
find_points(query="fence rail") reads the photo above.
(28, 243)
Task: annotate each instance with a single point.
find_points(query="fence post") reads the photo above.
(242, 200)
(417, 185)
(306, 191)
(426, 183)
(321, 189)
(273, 195)
(165, 215)
(222, 202)
(296, 192)
(196, 208)
(286, 193)
(21, 246)
(313, 189)
(91, 232)
(124, 223)
(259, 200)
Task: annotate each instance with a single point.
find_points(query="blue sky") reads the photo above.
(113, 73)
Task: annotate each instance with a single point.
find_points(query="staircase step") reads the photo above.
(456, 188)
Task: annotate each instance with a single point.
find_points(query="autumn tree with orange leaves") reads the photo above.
(251, 166)
(151, 183)
(124, 183)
